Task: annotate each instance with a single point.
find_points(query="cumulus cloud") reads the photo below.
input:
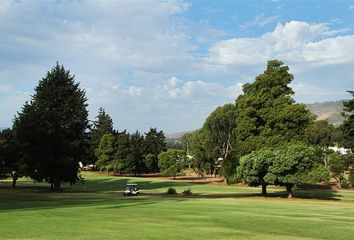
(149, 65)
(197, 91)
(293, 41)
(111, 46)
(314, 56)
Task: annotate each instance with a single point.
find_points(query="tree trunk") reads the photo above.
(338, 180)
(264, 189)
(56, 185)
(289, 190)
(174, 176)
(14, 177)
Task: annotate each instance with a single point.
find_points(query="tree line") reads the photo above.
(122, 152)
(264, 138)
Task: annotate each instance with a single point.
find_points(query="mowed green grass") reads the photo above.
(214, 211)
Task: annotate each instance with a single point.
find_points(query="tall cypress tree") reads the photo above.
(348, 124)
(103, 125)
(266, 113)
(154, 143)
(52, 129)
(136, 148)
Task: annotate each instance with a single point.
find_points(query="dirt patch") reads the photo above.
(195, 179)
(188, 179)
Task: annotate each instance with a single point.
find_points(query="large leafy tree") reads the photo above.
(101, 126)
(218, 127)
(267, 115)
(52, 128)
(172, 162)
(294, 164)
(337, 166)
(218, 139)
(214, 141)
(254, 167)
(202, 159)
(154, 143)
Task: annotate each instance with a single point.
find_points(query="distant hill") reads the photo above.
(330, 111)
(176, 135)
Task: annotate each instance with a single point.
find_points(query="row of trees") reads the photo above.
(265, 123)
(135, 153)
(252, 140)
(52, 135)
(122, 152)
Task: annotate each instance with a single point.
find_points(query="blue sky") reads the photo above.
(168, 64)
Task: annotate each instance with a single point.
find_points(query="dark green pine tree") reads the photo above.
(154, 143)
(52, 128)
(347, 133)
(348, 125)
(136, 148)
(123, 162)
(10, 156)
(103, 125)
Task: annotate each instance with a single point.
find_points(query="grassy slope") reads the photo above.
(213, 212)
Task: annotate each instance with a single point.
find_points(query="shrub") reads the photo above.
(171, 190)
(187, 192)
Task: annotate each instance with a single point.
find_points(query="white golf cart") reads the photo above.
(131, 190)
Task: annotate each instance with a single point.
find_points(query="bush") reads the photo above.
(171, 190)
(187, 192)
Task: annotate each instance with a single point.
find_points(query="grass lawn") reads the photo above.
(214, 211)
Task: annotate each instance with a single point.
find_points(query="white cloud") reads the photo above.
(134, 91)
(315, 54)
(260, 21)
(173, 82)
(293, 42)
(125, 56)
(197, 91)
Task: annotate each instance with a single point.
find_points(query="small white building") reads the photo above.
(341, 150)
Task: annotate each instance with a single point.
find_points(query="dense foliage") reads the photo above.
(213, 142)
(10, 156)
(101, 126)
(264, 138)
(52, 128)
(172, 162)
(267, 116)
(348, 125)
(124, 153)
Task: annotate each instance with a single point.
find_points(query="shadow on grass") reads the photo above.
(107, 193)
(321, 195)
